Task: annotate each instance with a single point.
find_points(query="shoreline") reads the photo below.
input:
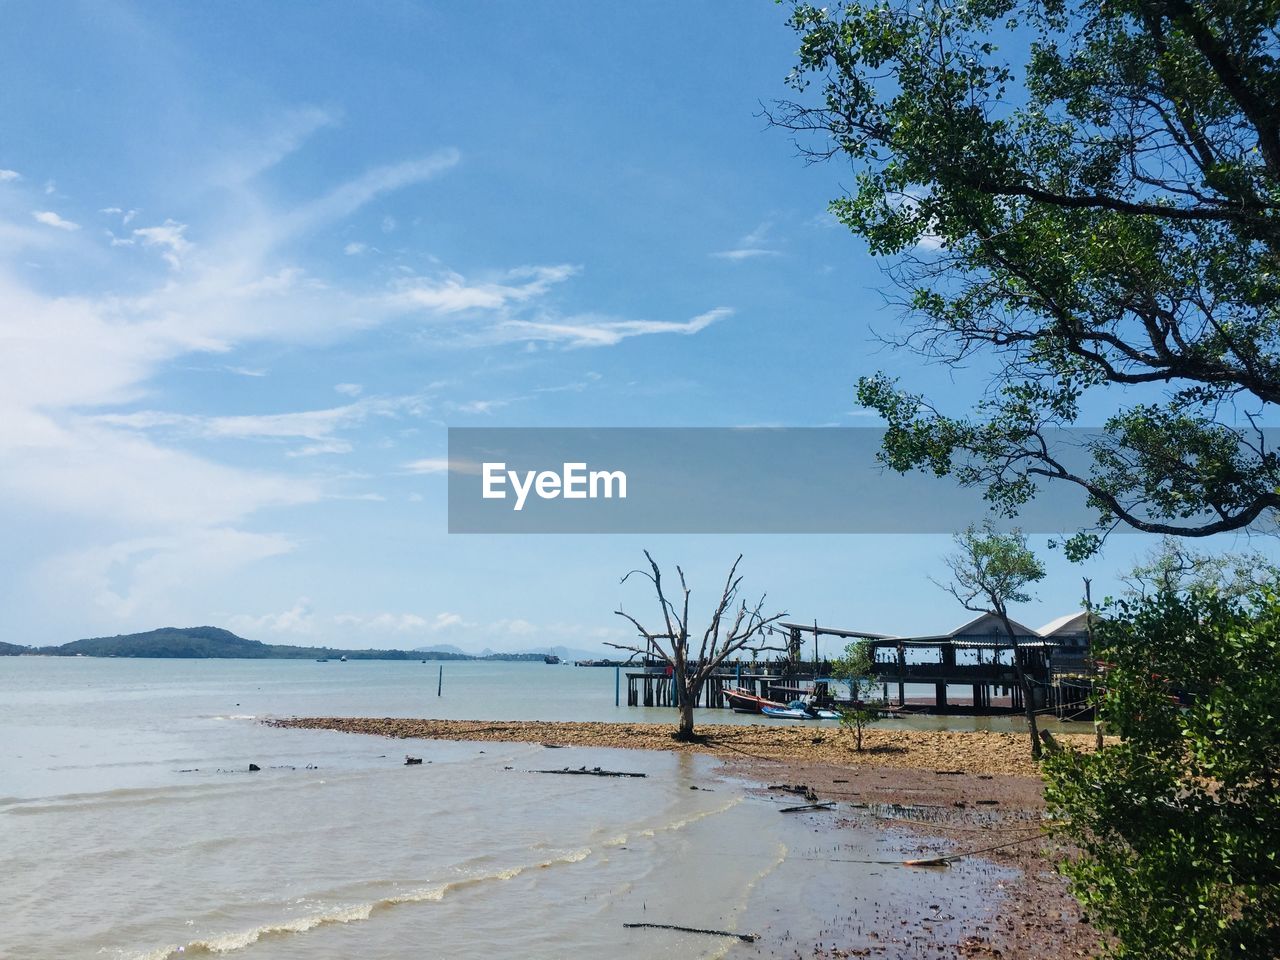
(953, 791)
(970, 752)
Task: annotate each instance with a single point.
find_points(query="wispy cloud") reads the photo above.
(428, 466)
(7, 176)
(169, 237)
(51, 219)
(354, 194)
(452, 293)
(750, 246)
(587, 331)
(481, 406)
(316, 425)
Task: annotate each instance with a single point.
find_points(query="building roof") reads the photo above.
(971, 633)
(1068, 623)
(837, 631)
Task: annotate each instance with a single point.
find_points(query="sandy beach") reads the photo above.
(954, 792)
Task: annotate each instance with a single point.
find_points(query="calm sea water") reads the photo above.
(130, 826)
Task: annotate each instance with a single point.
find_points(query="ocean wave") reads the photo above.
(148, 796)
(354, 913)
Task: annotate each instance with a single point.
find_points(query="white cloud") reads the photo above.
(592, 332)
(157, 578)
(354, 194)
(349, 389)
(750, 246)
(316, 425)
(428, 465)
(354, 249)
(434, 465)
(744, 253)
(452, 293)
(283, 135)
(321, 448)
(168, 236)
(481, 406)
(298, 619)
(6, 176)
(51, 219)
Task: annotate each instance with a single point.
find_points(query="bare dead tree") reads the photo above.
(734, 626)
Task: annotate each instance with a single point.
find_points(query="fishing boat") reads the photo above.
(799, 710)
(744, 702)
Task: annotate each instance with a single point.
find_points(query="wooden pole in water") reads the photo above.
(815, 655)
(440, 681)
(617, 686)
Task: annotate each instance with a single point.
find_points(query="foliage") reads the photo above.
(1076, 195)
(989, 571)
(1175, 568)
(857, 668)
(1178, 823)
(733, 627)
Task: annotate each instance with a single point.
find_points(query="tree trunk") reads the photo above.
(685, 730)
(1028, 702)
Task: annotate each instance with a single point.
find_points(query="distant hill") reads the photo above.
(214, 642)
(442, 648)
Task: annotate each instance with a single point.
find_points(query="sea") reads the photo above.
(131, 826)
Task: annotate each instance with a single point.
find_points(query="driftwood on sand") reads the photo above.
(744, 937)
(593, 772)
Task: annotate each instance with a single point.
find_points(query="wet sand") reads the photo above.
(979, 752)
(952, 792)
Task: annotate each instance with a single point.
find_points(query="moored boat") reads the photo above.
(744, 702)
(798, 710)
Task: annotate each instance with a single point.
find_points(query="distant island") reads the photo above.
(216, 643)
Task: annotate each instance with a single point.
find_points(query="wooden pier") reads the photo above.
(971, 671)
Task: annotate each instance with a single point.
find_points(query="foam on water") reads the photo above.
(354, 913)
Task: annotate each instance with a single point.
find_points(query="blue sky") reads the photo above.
(254, 258)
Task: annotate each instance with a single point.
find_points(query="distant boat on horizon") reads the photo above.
(550, 658)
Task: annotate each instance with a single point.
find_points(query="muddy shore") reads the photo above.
(955, 791)
(979, 752)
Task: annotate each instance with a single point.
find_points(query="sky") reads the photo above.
(256, 258)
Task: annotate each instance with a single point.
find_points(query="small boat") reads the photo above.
(799, 710)
(744, 702)
(322, 659)
(342, 659)
(550, 658)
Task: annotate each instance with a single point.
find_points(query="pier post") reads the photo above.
(617, 686)
(440, 681)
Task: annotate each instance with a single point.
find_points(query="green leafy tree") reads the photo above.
(1177, 823)
(856, 667)
(989, 571)
(1072, 196)
(1173, 567)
